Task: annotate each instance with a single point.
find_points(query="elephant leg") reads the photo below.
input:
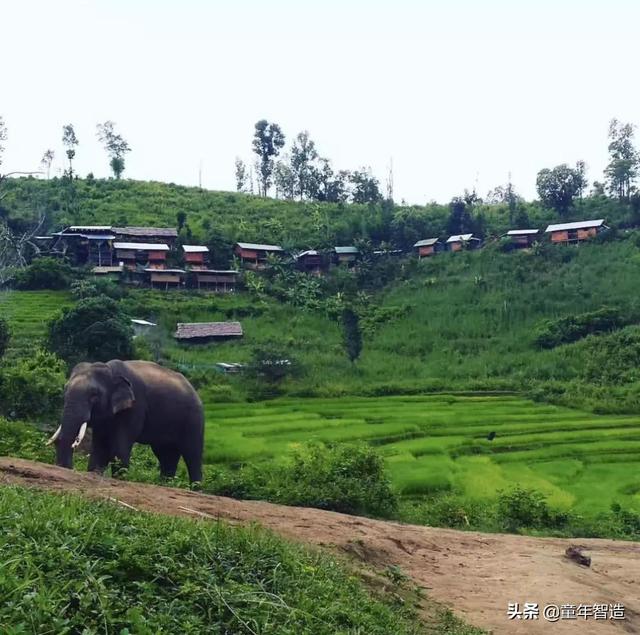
(168, 458)
(121, 452)
(99, 457)
(193, 458)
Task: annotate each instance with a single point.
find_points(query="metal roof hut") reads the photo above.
(428, 247)
(217, 280)
(458, 242)
(522, 238)
(254, 255)
(150, 255)
(577, 232)
(346, 255)
(310, 261)
(140, 327)
(89, 244)
(195, 256)
(197, 332)
(165, 278)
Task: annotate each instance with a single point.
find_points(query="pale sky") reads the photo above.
(458, 93)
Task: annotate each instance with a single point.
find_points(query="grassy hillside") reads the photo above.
(456, 322)
(220, 218)
(69, 566)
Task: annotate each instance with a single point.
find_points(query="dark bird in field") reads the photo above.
(491, 436)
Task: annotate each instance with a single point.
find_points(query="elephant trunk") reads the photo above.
(70, 433)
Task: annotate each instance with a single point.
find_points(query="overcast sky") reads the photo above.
(458, 93)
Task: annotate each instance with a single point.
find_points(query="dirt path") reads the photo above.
(475, 574)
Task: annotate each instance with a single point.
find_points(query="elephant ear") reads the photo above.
(122, 396)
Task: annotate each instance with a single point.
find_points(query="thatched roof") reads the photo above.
(196, 330)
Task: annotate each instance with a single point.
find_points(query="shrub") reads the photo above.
(551, 333)
(5, 336)
(44, 273)
(522, 508)
(32, 387)
(81, 289)
(346, 478)
(613, 361)
(95, 329)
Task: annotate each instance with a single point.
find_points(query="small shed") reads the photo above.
(207, 331)
(165, 278)
(151, 255)
(309, 261)
(575, 232)
(254, 255)
(461, 241)
(218, 280)
(347, 255)
(195, 256)
(522, 238)
(141, 326)
(428, 247)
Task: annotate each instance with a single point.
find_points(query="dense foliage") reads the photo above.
(96, 329)
(346, 478)
(33, 386)
(571, 328)
(44, 273)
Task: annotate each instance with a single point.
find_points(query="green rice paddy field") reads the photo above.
(439, 442)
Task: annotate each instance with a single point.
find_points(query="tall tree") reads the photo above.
(115, 146)
(181, 218)
(366, 188)
(268, 140)
(70, 141)
(559, 186)
(47, 160)
(351, 334)
(581, 170)
(331, 186)
(303, 158)
(241, 175)
(624, 160)
(285, 180)
(460, 220)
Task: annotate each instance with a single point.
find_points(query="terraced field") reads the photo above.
(440, 442)
(28, 313)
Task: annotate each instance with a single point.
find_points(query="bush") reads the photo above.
(81, 289)
(5, 336)
(527, 509)
(44, 273)
(95, 330)
(551, 333)
(614, 360)
(346, 478)
(32, 387)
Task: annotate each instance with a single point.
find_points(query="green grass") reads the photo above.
(436, 443)
(28, 313)
(70, 566)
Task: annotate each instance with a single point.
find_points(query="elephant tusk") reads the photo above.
(54, 436)
(78, 441)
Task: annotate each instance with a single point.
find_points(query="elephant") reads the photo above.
(127, 402)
